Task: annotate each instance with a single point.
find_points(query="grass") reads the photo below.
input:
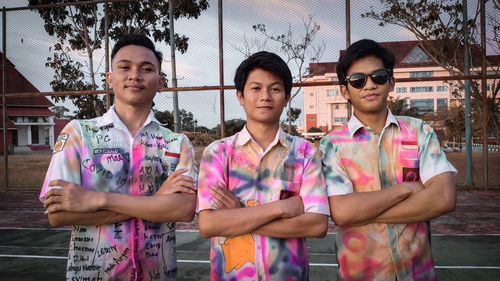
(27, 171)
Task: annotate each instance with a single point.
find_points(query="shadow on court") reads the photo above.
(465, 243)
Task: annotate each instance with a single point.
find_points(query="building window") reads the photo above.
(442, 89)
(421, 89)
(336, 106)
(32, 119)
(442, 103)
(401, 90)
(311, 106)
(334, 79)
(417, 55)
(422, 106)
(340, 119)
(311, 94)
(34, 134)
(330, 93)
(418, 74)
(13, 118)
(311, 119)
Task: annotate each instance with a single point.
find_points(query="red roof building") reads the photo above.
(30, 123)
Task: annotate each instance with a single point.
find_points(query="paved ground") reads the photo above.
(465, 243)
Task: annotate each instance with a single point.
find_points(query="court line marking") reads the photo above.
(207, 262)
(192, 231)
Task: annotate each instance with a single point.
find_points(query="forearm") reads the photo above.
(236, 221)
(362, 207)
(301, 226)
(436, 199)
(171, 207)
(64, 218)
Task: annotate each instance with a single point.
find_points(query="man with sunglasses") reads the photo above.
(386, 176)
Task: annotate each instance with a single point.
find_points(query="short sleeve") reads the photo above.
(187, 159)
(312, 189)
(431, 157)
(211, 173)
(66, 158)
(336, 178)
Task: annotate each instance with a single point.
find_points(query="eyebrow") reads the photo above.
(140, 63)
(272, 84)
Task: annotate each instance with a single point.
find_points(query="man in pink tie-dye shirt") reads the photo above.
(386, 176)
(261, 191)
(122, 180)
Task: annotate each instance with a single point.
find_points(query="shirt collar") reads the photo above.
(110, 117)
(355, 124)
(244, 137)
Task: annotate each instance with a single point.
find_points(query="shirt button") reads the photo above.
(394, 250)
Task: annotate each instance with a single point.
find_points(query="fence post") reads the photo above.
(221, 72)
(485, 96)
(4, 99)
(468, 117)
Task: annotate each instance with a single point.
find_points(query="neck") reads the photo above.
(375, 120)
(132, 116)
(263, 134)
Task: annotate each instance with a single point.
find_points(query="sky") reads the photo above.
(28, 46)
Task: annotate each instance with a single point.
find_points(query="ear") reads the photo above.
(345, 92)
(392, 83)
(241, 98)
(161, 81)
(109, 80)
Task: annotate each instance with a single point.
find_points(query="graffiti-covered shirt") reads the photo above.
(100, 154)
(289, 166)
(356, 159)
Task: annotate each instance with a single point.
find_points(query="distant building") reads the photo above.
(324, 106)
(30, 123)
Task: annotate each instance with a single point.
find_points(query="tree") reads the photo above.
(60, 111)
(80, 28)
(231, 127)
(166, 118)
(437, 25)
(314, 130)
(297, 49)
(399, 106)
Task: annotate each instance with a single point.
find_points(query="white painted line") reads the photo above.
(207, 262)
(34, 257)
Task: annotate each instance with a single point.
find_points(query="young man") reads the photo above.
(261, 190)
(118, 179)
(386, 176)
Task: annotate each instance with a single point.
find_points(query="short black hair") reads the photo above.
(267, 61)
(361, 49)
(139, 40)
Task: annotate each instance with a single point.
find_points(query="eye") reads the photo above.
(123, 67)
(255, 88)
(276, 90)
(147, 69)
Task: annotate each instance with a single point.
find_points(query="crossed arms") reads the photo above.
(280, 219)
(405, 202)
(75, 205)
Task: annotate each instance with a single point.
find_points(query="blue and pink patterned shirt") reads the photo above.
(258, 177)
(356, 159)
(100, 154)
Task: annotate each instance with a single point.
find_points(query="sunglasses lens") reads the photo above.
(380, 77)
(357, 80)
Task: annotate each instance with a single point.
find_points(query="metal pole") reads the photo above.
(348, 42)
(106, 52)
(4, 99)
(172, 63)
(485, 96)
(221, 72)
(468, 116)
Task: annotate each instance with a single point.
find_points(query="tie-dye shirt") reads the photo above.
(290, 165)
(356, 159)
(101, 154)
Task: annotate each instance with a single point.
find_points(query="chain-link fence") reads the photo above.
(55, 61)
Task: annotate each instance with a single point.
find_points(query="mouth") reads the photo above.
(265, 107)
(370, 96)
(134, 87)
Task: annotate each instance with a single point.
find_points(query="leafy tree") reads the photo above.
(437, 25)
(165, 117)
(314, 130)
(60, 111)
(80, 28)
(399, 106)
(231, 127)
(298, 50)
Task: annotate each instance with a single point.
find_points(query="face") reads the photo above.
(135, 78)
(263, 97)
(371, 98)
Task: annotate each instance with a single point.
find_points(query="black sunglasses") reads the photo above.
(379, 76)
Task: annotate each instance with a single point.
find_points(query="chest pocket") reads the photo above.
(408, 158)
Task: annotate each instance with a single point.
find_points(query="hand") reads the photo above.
(177, 182)
(71, 197)
(292, 206)
(224, 198)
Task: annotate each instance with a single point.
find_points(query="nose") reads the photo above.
(134, 74)
(265, 95)
(369, 83)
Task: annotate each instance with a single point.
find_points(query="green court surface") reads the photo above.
(40, 254)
